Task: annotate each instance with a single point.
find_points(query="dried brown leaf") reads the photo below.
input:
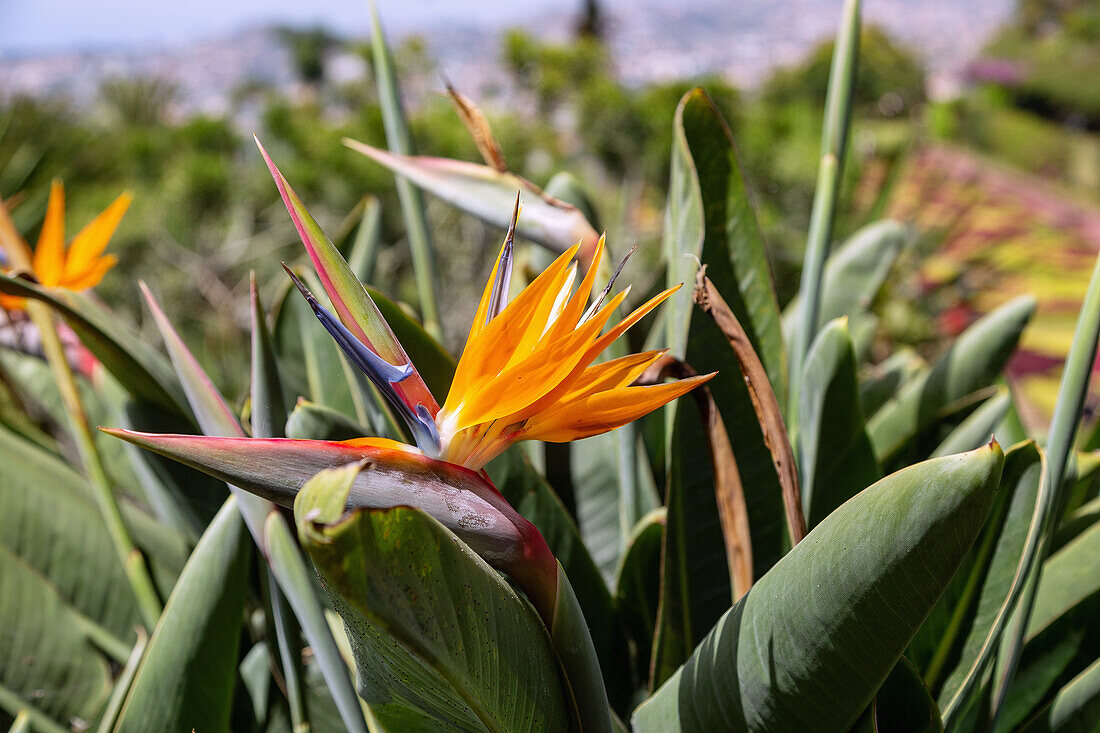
(763, 400)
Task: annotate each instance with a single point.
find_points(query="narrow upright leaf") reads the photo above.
(837, 460)
(412, 204)
(185, 680)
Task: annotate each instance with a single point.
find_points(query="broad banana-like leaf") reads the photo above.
(710, 218)
(835, 453)
(68, 678)
(489, 195)
(867, 575)
(186, 679)
(136, 364)
(35, 380)
(595, 480)
(971, 363)
(441, 641)
(59, 532)
(42, 498)
(854, 273)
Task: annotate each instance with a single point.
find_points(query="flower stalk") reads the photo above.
(133, 561)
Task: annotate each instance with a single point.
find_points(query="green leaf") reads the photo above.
(902, 705)
(51, 520)
(185, 680)
(136, 364)
(834, 142)
(638, 584)
(1062, 637)
(440, 640)
(48, 664)
(854, 274)
(1067, 414)
(978, 426)
(1076, 523)
(58, 531)
(835, 453)
(123, 682)
(710, 218)
(36, 380)
(864, 578)
(1076, 707)
(695, 580)
(595, 475)
(363, 256)
(880, 382)
(962, 634)
(399, 140)
(311, 421)
(970, 364)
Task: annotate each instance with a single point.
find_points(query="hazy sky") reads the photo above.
(48, 25)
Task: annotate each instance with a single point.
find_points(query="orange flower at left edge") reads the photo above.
(80, 266)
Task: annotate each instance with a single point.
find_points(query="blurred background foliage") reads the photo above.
(205, 213)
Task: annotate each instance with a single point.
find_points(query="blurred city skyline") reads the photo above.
(46, 26)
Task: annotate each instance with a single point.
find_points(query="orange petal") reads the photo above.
(90, 277)
(49, 253)
(486, 295)
(571, 313)
(612, 374)
(621, 327)
(604, 411)
(89, 243)
(542, 316)
(597, 347)
(522, 385)
(488, 349)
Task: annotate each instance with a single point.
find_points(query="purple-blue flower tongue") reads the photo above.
(383, 374)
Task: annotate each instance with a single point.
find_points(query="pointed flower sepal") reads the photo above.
(387, 474)
(353, 305)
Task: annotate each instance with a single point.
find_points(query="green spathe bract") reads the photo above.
(440, 639)
(863, 579)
